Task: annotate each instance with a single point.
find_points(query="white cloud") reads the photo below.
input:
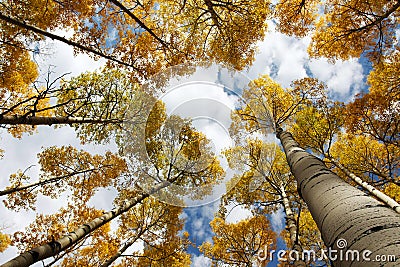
(200, 261)
(280, 56)
(236, 214)
(278, 220)
(103, 199)
(60, 59)
(138, 246)
(286, 59)
(397, 33)
(208, 211)
(341, 77)
(198, 219)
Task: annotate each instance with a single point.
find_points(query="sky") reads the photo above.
(282, 57)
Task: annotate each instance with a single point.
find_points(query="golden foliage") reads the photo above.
(393, 191)
(176, 152)
(317, 125)
(99, 245)
(5, 241)
(158, 226)
(239, 244)
(222, 31)
(107, 96)
(269, 106)
(264, 170)
(66, 169)
(367, 158)
(377, 113)
(296, 17)
(349, 28)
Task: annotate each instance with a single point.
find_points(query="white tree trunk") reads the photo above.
(348, 219)
(372, 190)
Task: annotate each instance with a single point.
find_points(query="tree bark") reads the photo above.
(52, 248)
(292, 226)
(348, 219)
(40, 120)
(372, 190)
(43, 182)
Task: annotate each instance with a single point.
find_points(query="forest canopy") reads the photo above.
(173, 134)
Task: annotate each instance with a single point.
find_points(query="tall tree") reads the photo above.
(100, 244)
(330, 199)
(176, 157)
(318, 127)
(267, 185)
(327, 196)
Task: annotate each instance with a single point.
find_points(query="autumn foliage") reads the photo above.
(162, 160)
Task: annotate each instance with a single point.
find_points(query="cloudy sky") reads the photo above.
(282, 57)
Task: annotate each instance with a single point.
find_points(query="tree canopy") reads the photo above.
(329, 165)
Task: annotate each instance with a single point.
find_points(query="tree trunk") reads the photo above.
(350, 221)
(40, 183)
(292, 226)
(39, 120)
(53, 248)
(119, 253)
(372, 190)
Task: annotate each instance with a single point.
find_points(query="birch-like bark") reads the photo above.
(351, 223)
(372, 190)
(40, 183)
(52, 248)
(292, 226)
(40, 120)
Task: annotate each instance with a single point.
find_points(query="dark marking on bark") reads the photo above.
(371, 206)
(353, 225)
(86, 227)
(327, 211)
(35, 255)
(304, 181)
(379, 228)
(55, 246)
